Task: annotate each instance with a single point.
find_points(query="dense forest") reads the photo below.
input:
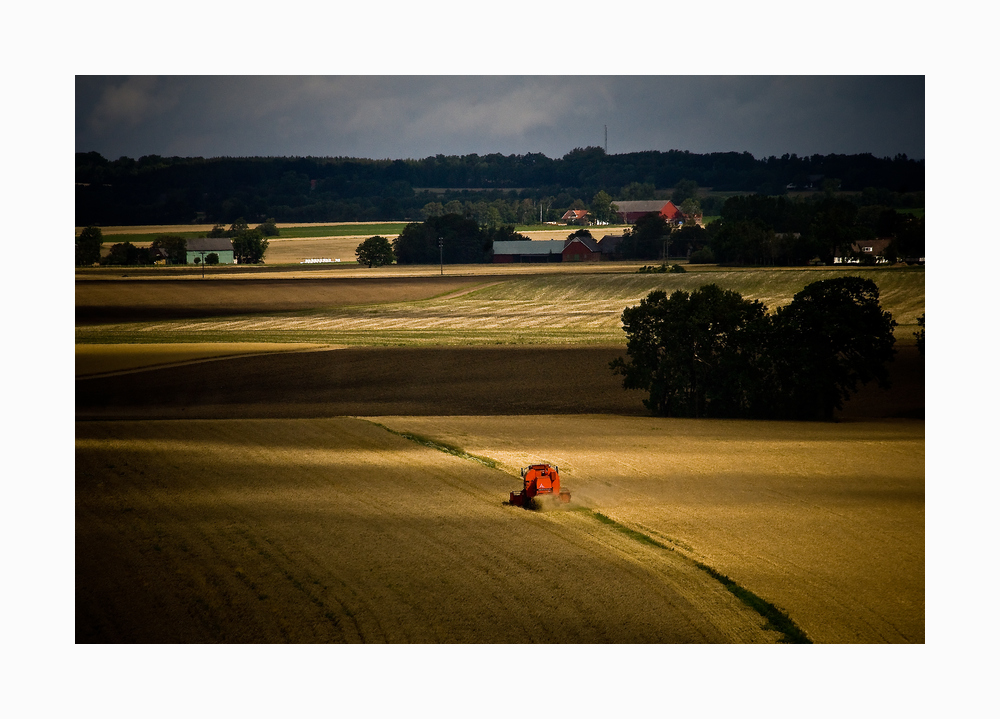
(522, 188)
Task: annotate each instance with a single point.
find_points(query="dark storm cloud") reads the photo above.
(418, 116)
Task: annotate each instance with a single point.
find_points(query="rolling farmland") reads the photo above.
(242, 473)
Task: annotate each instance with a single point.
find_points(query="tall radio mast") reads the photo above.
(605, 139)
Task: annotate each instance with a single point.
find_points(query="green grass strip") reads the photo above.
(440, 446)
(776, 619)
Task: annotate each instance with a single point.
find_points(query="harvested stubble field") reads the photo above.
(337, 530)
(572, 308)
(826, 521)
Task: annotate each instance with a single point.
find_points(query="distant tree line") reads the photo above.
(518, 188)
(713, 353)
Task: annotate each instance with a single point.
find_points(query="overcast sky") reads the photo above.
(402, 117)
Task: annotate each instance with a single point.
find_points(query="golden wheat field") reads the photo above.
(337, 530)
(567, 307)
(826, 521)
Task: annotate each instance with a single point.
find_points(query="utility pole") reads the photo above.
(605, 139)
(441, 252)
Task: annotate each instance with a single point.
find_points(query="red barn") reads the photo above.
(575, 217)
(631, 210)
(581, 249)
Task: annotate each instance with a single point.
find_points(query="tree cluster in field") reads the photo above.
(449, 239)
(88, 246)
(249, 246)
(517, 188)
(759, 230)
(713, 353)
(88, 250)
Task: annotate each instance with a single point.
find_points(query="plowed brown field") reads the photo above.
(336, 530)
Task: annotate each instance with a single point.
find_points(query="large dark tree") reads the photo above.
(463, 242)
(375, 252)
(712, 353)
(249, 246)
(175, 246)
(602, 209)
(687, 238)
(125, 253)
(88, 246)
(646, 240)
(744, 242)
(693, 353)
(833, 336)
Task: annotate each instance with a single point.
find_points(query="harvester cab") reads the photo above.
(539, 479)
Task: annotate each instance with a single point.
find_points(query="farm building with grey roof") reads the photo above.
(528, 250)
(202, 247)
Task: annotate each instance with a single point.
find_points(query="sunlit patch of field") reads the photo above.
(533, 309)
(825, 521)
(337, 530)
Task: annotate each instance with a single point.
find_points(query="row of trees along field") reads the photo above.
(520, 188)
(249, 246)
(765, 230)
(712, 353)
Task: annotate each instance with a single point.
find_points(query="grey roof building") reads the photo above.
(528, 250)
(201, 247)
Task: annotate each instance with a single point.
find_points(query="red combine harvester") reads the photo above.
(539, 479)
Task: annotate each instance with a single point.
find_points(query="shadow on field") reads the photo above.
(418, 381)
(102, 301)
